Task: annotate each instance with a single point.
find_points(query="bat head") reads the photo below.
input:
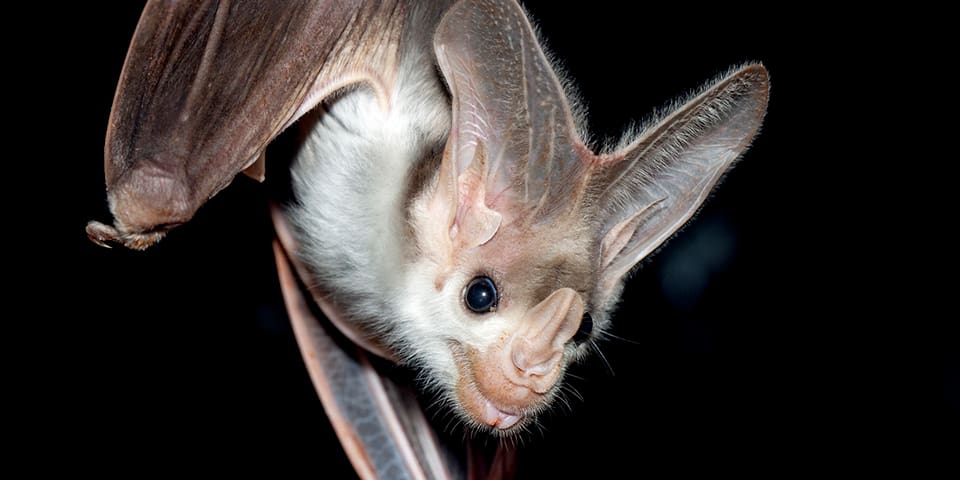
(506, 314)
(524, 238)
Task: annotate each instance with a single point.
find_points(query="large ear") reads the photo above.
(653, 186)
(513, 151)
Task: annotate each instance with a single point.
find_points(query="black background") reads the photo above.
(768, 337)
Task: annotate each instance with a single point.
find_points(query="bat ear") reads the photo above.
(513, 151)
(651, 187)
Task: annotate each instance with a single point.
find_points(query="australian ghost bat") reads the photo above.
(446, 206)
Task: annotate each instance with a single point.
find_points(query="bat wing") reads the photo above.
(206, 85)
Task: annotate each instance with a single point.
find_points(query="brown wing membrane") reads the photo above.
(205, 86)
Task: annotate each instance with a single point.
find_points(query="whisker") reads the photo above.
(611, 336)
(603, 358)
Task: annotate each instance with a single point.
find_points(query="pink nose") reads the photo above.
(537, 349)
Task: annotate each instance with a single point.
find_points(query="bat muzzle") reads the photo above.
(515, 378)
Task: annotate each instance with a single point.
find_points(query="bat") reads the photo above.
(448, 213)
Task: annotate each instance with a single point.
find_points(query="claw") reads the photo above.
(106, 235)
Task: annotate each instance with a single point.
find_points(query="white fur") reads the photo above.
(351, 179)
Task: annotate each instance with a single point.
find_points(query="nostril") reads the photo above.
(586, 328)
(533, 367)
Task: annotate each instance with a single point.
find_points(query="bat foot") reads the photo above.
(107, 236)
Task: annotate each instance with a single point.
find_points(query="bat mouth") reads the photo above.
(488, 398)
(484, 412)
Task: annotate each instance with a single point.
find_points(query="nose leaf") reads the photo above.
(537, 349)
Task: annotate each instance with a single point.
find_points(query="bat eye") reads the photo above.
(481, 295)
(586, 328)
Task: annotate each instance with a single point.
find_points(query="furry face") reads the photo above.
(501, 366)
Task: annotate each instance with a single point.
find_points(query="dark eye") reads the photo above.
(481, 295)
